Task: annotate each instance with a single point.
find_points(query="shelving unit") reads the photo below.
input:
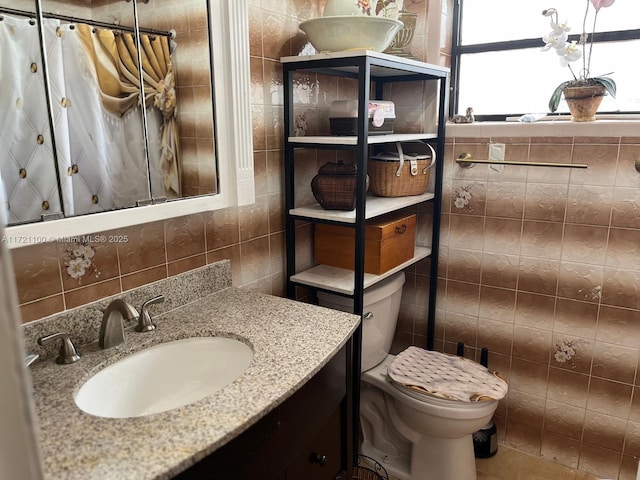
(371, 70)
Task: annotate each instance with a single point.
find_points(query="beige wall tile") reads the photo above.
(561, 419)
(619, 326)
(542, 239)
(505, 199)
(546, 202)
(621, 288)
(600, 161)
(499, 270)
(604, 431)
(584, 244)
(531, 344)
(625, 211)
(41, 308)
(609, 397)
(538, 275)
(580, 282)
(464, 265)
(502, 235)
(535, 310)
(614, 362)
(560, 449)
(528, 377)
(589, 205)
(568, 387)
(37, 271)
(466, 231)
(575, 318)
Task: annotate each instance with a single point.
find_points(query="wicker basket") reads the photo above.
(399, 174)
(334, 187)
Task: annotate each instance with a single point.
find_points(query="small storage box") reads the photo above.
(343, 116)
(389, 242)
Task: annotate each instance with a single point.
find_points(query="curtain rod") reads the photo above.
(94, 23)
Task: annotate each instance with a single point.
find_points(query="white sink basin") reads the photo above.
(163, 377)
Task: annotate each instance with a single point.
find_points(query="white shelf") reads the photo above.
(381, 64)
(375, 206)
(341, 280)
(371, 139)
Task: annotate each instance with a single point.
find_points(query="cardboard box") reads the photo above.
(389, 242)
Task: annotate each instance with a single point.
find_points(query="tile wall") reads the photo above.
(541, 266)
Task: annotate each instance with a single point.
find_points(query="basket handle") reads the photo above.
(401, 157)
(433, 159)
(414, 166)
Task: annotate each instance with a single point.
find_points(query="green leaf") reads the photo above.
(554, 101)
(608, 84)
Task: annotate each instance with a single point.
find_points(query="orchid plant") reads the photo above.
(569, 52)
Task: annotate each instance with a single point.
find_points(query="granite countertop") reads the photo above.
(291, 342)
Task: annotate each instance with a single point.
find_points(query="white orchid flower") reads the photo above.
(571, 54)
(559, 28)
(551, 40)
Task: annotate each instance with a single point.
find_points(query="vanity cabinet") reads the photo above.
(307, 437)
(376, 75)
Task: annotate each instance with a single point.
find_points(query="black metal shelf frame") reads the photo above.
(360, 67)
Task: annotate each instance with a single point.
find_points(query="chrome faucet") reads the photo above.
(68, 353)
(111, 328)
(145, 322)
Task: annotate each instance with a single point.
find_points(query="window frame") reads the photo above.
(457, 50)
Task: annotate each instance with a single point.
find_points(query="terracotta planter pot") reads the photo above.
(584, 101)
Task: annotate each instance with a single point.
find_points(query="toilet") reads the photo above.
(419, 409)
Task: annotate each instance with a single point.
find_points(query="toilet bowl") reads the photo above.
(414, 423)
(435, 433)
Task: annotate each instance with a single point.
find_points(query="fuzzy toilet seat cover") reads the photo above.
(446, 376)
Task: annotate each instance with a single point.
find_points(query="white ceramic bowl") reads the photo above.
(350, 32)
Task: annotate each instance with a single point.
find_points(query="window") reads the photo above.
(498, 67)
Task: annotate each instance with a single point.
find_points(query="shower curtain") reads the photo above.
(95, 97)
(27, 171)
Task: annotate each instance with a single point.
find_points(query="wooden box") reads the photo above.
(389, 241)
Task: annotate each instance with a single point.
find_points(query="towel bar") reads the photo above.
(465, 160)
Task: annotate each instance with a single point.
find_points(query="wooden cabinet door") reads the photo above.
(322, 457)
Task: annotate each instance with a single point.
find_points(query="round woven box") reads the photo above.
(399, 174)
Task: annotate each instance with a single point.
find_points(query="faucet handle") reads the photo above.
(30, 359)
(145, 323)
(68, 353)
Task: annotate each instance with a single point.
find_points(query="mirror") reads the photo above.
(229, 31)
(191, 59)
(111, 151)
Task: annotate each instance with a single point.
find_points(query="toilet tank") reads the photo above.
(380, 315)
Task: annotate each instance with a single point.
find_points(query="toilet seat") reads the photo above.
(422, 373)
